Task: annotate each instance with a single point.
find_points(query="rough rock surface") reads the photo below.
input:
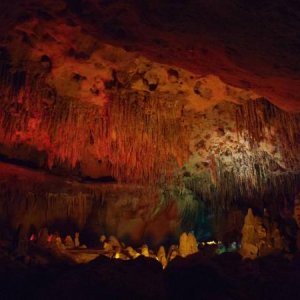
(187, 244)
(260, 237)
(198, 100)
(253, 45)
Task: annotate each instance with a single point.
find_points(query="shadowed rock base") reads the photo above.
(196, 277)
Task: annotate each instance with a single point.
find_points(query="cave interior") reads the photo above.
(149, 149)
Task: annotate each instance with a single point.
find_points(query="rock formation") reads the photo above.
(68, 242)
(161, 255)
(172, 253)
(131, 252)
(107, 247)
(20, 242)
(76, 240)
(113, 241)
(43, 237)
(145, 250)
(183, 244)
(187, 244)
(260, 237)
(190, 118)
(297, 210)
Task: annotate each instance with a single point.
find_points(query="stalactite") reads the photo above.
(270, 190)
(36, 206)
(258, 120)
(258, 168)
(144, 138)
(141, 135)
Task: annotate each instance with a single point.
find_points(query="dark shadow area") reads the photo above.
(225, 276)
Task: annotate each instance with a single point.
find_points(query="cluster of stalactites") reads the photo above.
(38, 207)
(254, 175)
(259, 188)
(257, 120)
(141, 136)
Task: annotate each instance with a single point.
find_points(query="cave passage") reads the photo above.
(149, 149)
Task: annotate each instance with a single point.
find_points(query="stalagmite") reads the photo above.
(43, 237)
(102, 238)
(145, 250)
(68, 242)
(183, 245)
(64, 128)
(161, 255)
(107, 247)
(187, 244)
(173, 252)
(59, 244)
(76, 240)
(132, 253)
(260, 237)
(277, 239)
(193, 244)
(53, 242)
(249, 248)
(113, 241)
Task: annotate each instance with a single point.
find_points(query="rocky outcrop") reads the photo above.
(260, 237)
(161, 255)
(187, 244)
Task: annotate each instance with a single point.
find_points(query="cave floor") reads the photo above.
(225, 276)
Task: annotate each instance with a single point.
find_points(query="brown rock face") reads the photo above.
(250, 45)
(247, 44)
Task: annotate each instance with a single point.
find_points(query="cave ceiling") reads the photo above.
(148, 91)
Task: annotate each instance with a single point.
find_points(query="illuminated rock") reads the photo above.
(59, 243)
(102, 241)
(161, 255)
(249, 247)
(183, 245)
(102, 238)
(145, 250)
(260, 237)
(113, 241)
(68, 242)
(187, 244)
(43, 236)
(56, 242)
(131, 252)
(249, 250)
(161, 252)
(52, 243)
(172, 253)
(76, 240)
(107, 247)
(193, 244)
